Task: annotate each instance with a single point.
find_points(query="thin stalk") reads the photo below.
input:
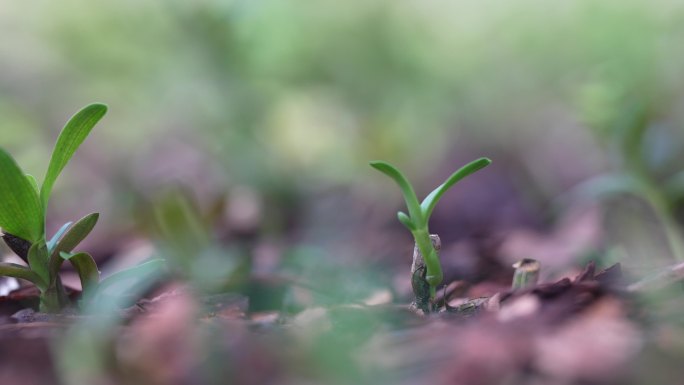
(664, 214)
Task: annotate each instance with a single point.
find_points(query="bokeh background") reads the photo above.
(266, 113)
(263, 116)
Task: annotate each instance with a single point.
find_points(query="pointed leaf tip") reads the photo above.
(72, 136)
(406, 189)
(428, 204)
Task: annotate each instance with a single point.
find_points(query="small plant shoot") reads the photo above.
(419, 213)
(23, 207)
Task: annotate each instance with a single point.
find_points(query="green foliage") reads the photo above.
(87, 270)
(72, 237)
(20, 210)
(625, 120)
(38, 262)
(182, 234)
(132, 277)
(23, 207)
(73, 134)
(419, 213)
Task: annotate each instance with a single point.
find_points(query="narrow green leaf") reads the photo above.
(71, 137)
(87, 272)
(53, 241)
(38, 262)
(74, 235)
(19, 271)
(429, 203)
(405, 220)
(20, 210)
(406, 189)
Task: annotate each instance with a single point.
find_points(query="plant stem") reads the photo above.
(432, 247)
(50, 301)
(434, 274)
(663, 212)
(54, 298)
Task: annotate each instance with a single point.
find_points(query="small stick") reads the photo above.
(526, 273)
(421, 288)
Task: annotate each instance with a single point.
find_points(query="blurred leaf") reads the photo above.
(71, 137)
(53, 241)
(606, 186)
(181, 229)
(674, 187)
(129, 279)
(406, 188)
(429, 203)
(71, 239)
(20, 210)
(633, 123)
(38, 261)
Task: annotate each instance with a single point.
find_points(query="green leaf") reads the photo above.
(70, 240)
(20, 210)
(18, 271)
(33, 182)
(429, 203)
(38, 262)
(133, 276)
(406, 189)
(53, 241)
(87, 271)
(405, 220)
(71, 137)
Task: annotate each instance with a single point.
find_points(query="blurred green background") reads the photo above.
(268, 111)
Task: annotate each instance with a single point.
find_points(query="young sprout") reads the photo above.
(419, 214)
(23, 206)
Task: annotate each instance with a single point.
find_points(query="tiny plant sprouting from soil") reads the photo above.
(23, 207)
(419, 213)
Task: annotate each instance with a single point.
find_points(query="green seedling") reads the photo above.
(23, 207)
(623, 123)
(419, 214)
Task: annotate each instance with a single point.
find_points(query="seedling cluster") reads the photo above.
(23, 208)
